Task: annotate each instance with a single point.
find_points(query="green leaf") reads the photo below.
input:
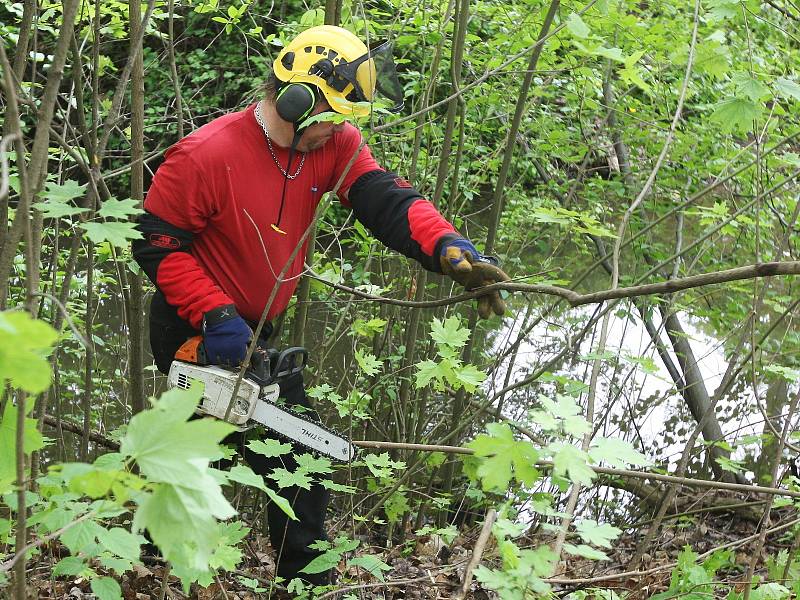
(269, 448)
(614, 54)
(70, 565)
(585, 551)
(504, 458)
(245, 475)
(182, 522)
(616, 452)
(368, 328)
(337, 487)
(81, 535)
(63, 193)
(449, 332)
(787, 88)
(750, 87)
(24, 345)
(105, 588)
(117, 233)
(311, 464)
(57, 210)
(470, 377)
(32, 440)
(284, 478)
(368, 363)
(324, 562)
(577, 27)
(428, 371)
(119, 209)
(121, 542)
(736, 114)
(634, 75)
(571, 462)
(598, 534)
(370, 563)
(282, 503)
(169, 448)
(786, 373)
(733, 466)
(396, 506)
(381, 465)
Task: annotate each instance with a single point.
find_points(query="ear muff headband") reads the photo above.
(294, 102)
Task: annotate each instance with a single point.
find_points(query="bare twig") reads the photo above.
(9, 564)
(477, 553)
(83, 341)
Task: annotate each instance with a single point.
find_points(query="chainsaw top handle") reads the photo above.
(267, 365)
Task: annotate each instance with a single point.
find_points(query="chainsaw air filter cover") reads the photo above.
(218, 387)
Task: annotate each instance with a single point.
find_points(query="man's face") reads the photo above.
(317, 134)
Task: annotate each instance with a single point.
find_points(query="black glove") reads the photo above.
(225, 335)
(462, 262)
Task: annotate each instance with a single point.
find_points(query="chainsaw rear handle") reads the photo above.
(267, 365)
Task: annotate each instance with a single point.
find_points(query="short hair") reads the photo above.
(273, 85)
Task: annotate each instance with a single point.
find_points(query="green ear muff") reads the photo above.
(295, 102)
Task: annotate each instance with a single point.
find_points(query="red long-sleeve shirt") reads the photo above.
(221, 185)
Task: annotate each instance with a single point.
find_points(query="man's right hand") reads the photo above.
(225, 335)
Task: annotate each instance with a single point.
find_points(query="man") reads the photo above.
(249, 182)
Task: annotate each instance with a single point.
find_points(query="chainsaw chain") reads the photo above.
(302, 417)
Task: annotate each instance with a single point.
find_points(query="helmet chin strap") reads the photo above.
(298, 133)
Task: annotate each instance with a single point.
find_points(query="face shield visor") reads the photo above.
(371, 71)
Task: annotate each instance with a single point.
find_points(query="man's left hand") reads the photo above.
(462, 262)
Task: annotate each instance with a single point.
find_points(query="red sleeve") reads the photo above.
(178, 205)
(347, 144)
(427, 225)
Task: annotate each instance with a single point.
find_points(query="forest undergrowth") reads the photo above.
(628, 430)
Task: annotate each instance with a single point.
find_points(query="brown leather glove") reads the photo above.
(461, 261)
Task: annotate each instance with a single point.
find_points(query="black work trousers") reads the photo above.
(289, 538)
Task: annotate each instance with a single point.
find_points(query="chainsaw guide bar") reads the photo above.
(255, 404)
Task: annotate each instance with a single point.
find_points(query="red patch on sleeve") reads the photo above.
(401, 182)
(164, 241)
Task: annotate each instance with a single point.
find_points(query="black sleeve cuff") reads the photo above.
(219, 315)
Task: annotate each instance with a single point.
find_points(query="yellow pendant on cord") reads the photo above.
(278, 229)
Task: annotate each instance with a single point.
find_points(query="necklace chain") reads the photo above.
(261, 122)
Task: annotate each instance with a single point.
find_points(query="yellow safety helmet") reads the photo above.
(338, 63)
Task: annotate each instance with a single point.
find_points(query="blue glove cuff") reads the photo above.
(462, 244)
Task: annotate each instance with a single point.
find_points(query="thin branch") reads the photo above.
(83, 341)
(754, 271)
(9, 564)
(545, 464)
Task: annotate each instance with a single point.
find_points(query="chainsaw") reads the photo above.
(255, 402)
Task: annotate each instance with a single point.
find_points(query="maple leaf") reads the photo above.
(310, 464)
(117, 233)
(284, 478)
(269, 447)
(569, 461)
(449, 332)
(368, 363)
(616, 452)
(599, 534)
(736, 114)
(504, 458)
(119, 209)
